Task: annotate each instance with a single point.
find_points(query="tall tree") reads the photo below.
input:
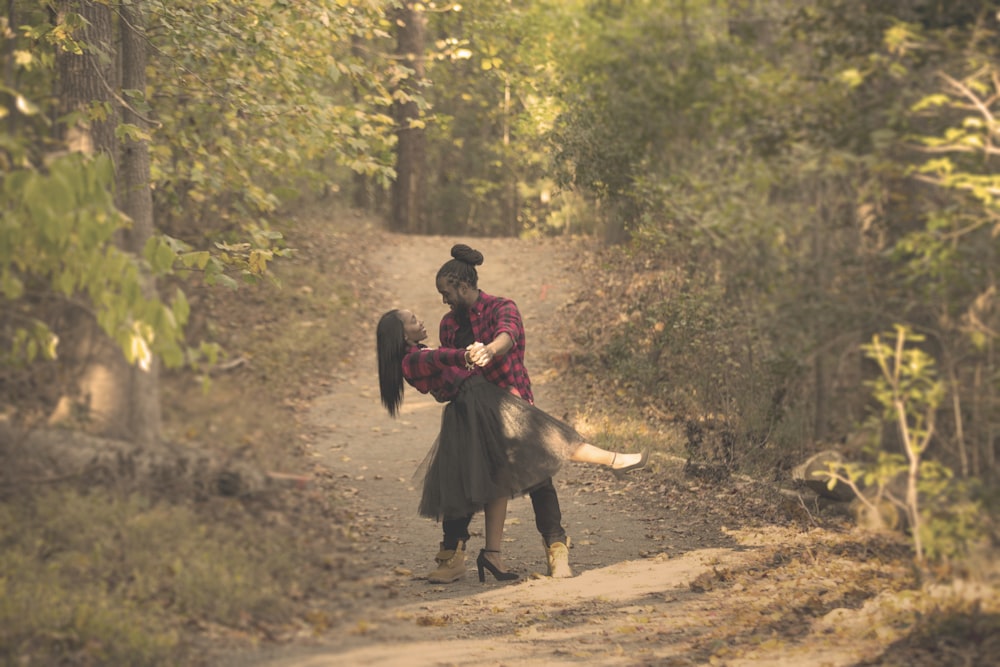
(493, 100)
(86, 89)
(408, 187)
(143, 410)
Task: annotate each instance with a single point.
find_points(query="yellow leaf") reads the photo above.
(25, 106)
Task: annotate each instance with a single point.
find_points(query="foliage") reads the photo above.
(941, 517)
(615, 124)
(247, 98)
(954, 517)
(947, 260)
(254, 99)
(56, 241)
(491, 100)
(818, 176)
(119, 578)
(87, 564)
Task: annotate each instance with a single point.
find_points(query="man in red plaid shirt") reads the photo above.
(476, 316)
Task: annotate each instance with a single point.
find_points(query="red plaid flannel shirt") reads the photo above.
(435, 372)
(491, 316)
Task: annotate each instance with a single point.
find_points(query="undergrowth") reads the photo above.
(113, 579)
(104, 576)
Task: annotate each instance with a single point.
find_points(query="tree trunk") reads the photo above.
(361, 186)
(86, 80)
(818, 247)
(143, 412)
(614, 216)
(114, 399)
(407, 189)
(9, 46)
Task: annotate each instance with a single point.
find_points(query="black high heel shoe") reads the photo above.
(641, 463)
(482, 563)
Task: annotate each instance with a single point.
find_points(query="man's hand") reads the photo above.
(480, 354)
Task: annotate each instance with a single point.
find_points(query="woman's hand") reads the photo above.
(480, 354)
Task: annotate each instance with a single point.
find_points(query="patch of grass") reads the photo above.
(104, 579)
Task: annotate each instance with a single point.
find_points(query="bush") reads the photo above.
(111, 580)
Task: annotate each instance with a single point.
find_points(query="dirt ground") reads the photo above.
(671, 569)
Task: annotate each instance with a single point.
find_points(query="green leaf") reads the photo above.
(162, 257)
(11, 285)
(181, 308)
(224, 280)
(198, 260)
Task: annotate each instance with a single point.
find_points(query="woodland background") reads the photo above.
(798, 196)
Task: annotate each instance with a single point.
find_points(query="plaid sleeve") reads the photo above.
(508, 320)
(425, 362)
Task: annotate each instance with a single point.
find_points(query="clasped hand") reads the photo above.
(479, 354)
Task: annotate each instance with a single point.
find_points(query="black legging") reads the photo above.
(548, 518)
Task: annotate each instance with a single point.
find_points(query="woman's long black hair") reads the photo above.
(390, 345)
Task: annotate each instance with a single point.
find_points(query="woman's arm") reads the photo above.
(424, 362)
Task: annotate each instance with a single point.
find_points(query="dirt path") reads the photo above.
(643, 593)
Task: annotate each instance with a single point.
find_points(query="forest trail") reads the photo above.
(644, 560)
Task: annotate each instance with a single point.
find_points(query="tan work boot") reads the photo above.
(557, 554)
(450, 565)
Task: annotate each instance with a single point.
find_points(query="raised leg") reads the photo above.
(587, 453)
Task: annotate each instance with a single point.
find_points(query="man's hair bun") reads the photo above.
(464, 253)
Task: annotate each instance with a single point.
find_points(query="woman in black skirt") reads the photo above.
(493, 445)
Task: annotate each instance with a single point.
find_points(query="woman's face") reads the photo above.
(413, 329)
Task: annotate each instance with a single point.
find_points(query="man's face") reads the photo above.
(455, 297)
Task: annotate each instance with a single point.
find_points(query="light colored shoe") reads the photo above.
(557, 554)
(624, 470)
(450, 565)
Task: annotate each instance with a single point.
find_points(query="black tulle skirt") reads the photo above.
(492, 444)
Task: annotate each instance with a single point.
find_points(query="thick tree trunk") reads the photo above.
(408, 188)
(112, 398)
(88, 80)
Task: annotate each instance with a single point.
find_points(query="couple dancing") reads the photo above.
(494, 444)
